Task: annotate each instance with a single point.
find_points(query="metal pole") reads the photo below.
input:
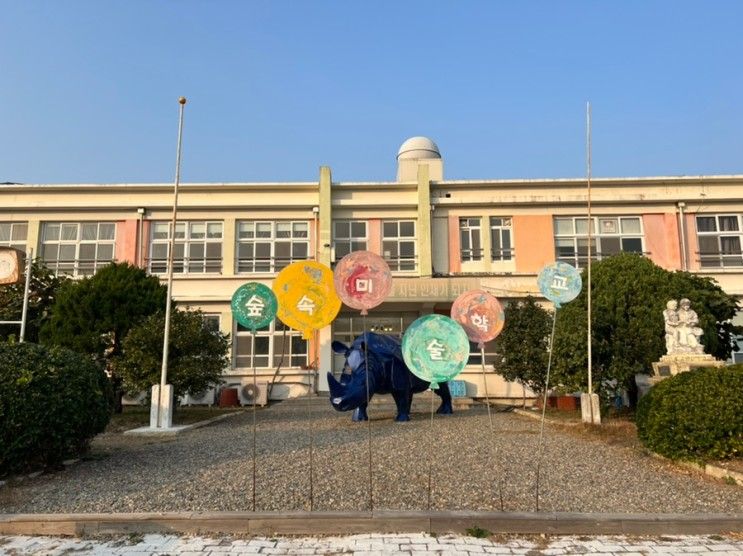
(544, 405)
(26, 289)
(590, 236)
(255, 403)
(431, 441)
(171, 245)
(310, 384)
(490, 420)
(368, 419)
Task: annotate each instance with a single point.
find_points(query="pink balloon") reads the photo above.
(362, 280)
(480, 314)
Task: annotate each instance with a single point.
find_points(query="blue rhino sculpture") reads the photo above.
(387, 373)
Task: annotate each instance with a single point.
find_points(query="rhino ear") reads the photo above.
(339, 347)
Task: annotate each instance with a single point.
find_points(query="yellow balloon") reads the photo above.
(306, 294)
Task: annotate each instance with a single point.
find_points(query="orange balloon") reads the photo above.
(306, 295)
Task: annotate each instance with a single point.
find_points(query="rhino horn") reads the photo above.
(337, 390)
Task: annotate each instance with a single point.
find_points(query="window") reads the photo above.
(77, 248)
(13, 234)
(398, 244)
(476, 355)
(198, 247)
(348, 236)
(610, 235)
(212, 322)
(277, 345)
(500, 238)
(719, 239)
(266, 246)
(470, 242)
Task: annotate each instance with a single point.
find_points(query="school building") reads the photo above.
(441, 237)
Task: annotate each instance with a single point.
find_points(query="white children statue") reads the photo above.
(682, 332)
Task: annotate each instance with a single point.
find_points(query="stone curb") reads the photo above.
(346, 523)
(145, 431)
(708, 469)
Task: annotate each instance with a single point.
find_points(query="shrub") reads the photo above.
(694, 415)
(197, 354)
(629, 295)
(52, 402)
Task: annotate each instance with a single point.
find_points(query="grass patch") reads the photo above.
(135, 416)
(478, 532)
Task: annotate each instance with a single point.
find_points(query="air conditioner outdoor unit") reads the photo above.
(200, 398)
(251, 394)
(136, 399)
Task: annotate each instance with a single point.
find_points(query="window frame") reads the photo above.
(185, 264)
(578, 255)
(271, 264)
(275, 330)
(400, 263)
(720, 258)
(350, 241)
(503, 254)
(76, 266)
(467, 229)
(16, 243)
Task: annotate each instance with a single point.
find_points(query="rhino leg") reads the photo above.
(446, 406)
(403, 401)
(359, 414)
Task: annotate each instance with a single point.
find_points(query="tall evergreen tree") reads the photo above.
(94, 314)
(628, 298)
(522, 347)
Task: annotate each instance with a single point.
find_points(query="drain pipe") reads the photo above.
(682, 235)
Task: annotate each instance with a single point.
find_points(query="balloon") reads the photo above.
(307, 299)
(362, 280)
(254, 305)
(435, 348)
(560, 283)
(480, 314)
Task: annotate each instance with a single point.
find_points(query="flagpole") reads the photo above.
(164, 404)
(590, 230)
(590, 412)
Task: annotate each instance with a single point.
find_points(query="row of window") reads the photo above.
(261, 246)
(81, 248)
(280, 346)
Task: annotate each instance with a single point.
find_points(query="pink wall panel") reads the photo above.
(662, 239)
(126, 241)
(533, 242)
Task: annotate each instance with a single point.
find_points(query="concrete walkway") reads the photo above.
(377, 544)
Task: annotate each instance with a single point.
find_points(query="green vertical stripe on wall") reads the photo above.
(424, 221)
(325, 219)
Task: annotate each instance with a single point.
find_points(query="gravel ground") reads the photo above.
(210, 469)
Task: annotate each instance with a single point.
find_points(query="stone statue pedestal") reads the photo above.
(670, 365)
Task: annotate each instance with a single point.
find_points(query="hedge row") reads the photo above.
(52, 402)
(697, 415)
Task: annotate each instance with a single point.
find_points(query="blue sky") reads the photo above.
(277, 88)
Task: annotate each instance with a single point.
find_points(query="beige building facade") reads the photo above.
(440, 237)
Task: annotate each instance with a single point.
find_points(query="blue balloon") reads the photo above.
(560, 283)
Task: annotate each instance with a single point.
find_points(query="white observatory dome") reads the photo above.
(417, 148)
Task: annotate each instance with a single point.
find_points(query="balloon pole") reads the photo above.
(490, 420)
(544, 403)
(311, 432)
(255, 394)
(368, 419)
(430, 456)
